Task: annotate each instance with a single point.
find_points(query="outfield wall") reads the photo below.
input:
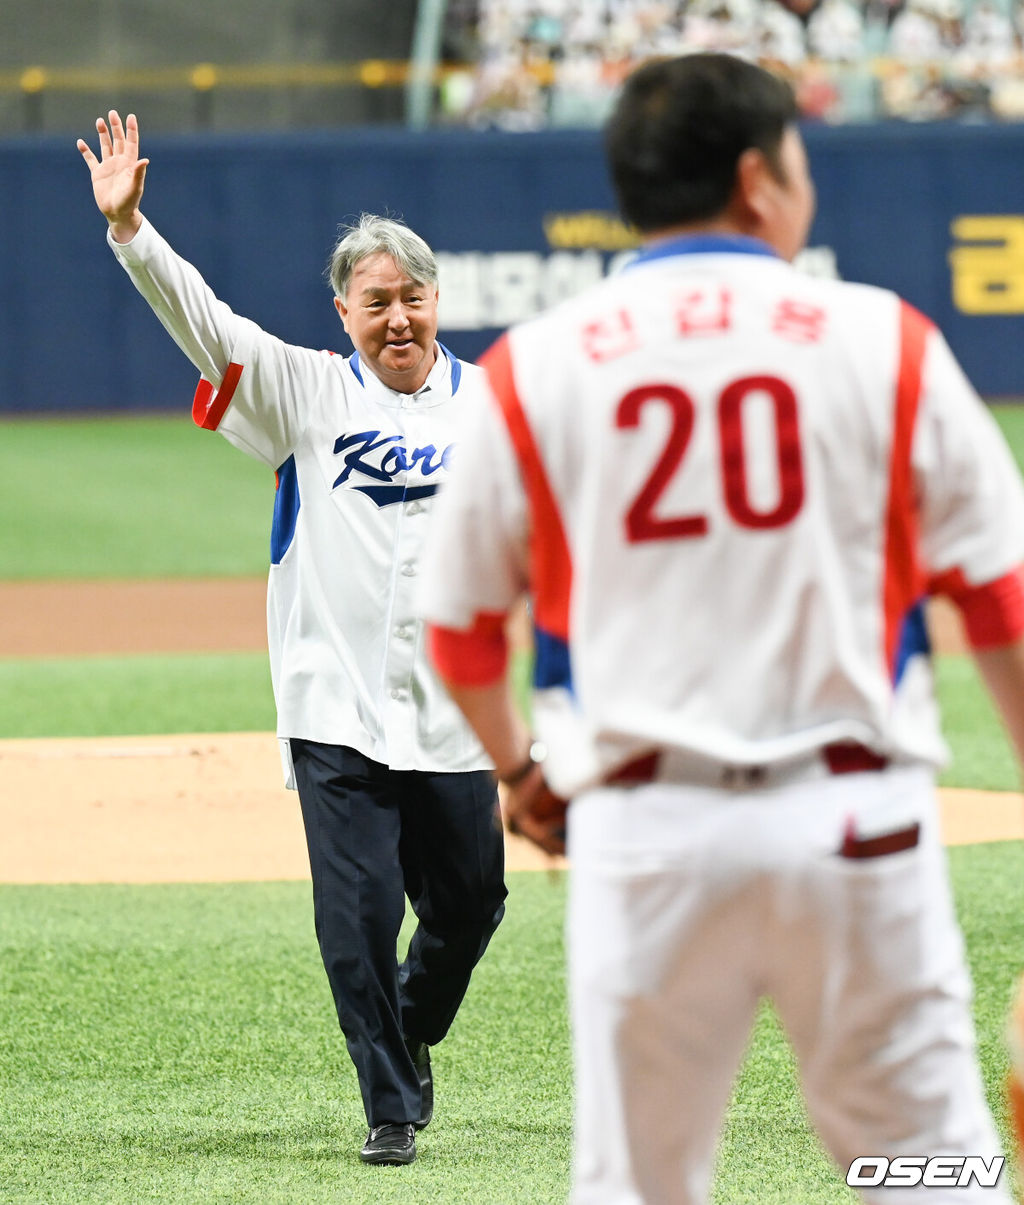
(935, 211)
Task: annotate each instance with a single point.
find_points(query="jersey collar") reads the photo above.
(446, 365)
(702, 244)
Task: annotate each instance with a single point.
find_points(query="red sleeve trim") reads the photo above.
(550, 560)
(209, 403)
(993, 613)
(476, 656)
(904, 581)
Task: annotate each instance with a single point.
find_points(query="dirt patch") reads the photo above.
(71, 619)
(212, 809)
(169, 809)
(68, 619)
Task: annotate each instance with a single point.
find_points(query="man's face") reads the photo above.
(392, 321)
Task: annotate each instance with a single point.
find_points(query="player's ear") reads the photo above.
(342, 309)
(762, 202)
(754, 180)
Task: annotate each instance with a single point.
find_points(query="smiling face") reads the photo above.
(392, 322)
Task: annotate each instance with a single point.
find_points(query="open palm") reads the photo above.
(119, 175)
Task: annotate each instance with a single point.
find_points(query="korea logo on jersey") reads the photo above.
(387, 461)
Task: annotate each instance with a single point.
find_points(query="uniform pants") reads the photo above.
(689, 905)
(375, 836)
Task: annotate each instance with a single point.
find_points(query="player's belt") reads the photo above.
(845, 757)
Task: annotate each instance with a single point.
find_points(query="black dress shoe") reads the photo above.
(390, 1144)
(419, 1052)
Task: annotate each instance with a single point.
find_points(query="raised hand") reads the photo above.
(119, 175)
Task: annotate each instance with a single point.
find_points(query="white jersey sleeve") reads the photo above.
(479, 531)
(255, 385)
(972, 510)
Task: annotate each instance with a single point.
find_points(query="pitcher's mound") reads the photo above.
(212, 808)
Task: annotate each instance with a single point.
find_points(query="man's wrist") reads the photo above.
(123, 230)
(512, 778)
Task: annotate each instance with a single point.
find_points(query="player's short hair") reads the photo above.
(679, 128)
(372, 234)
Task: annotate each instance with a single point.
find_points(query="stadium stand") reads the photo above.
(515, 65)
(532, 63)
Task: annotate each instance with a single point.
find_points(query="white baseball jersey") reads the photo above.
(358, 466)
(729, 487)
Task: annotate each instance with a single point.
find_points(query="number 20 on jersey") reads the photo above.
(643, 521)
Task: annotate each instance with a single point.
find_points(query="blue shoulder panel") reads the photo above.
(286, 511)
(456, 368)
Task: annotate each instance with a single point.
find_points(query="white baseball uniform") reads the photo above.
(357, 467)
(729, 488)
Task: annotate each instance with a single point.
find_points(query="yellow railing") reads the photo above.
(204, 77)
(34, 83)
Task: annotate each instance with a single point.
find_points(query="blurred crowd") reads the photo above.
(526, 64)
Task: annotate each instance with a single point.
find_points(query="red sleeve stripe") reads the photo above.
(903, 582)
(993, 613)
(209, 404)
(550, 561)
(476, 656)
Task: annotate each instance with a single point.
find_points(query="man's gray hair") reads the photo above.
(372, 234)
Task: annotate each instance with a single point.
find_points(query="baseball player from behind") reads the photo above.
(729, 488)
(397, 795)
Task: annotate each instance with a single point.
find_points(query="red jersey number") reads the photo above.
(642, 523)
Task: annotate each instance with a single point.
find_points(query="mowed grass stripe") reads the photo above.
(136, 696)
(120, 498)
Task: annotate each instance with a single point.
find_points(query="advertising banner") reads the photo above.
(519, 221)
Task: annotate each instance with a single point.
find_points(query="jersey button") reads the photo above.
(398, 693)
(409, 569)
(414, 508)
(404, 631)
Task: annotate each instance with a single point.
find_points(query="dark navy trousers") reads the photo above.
(375, 836)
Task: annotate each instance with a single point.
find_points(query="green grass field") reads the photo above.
(177, 1043)
(140, 497)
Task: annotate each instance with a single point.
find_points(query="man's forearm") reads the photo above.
(1003, 671)
(202, 326)
(492, 714)
(473, 664)
(530, 808)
